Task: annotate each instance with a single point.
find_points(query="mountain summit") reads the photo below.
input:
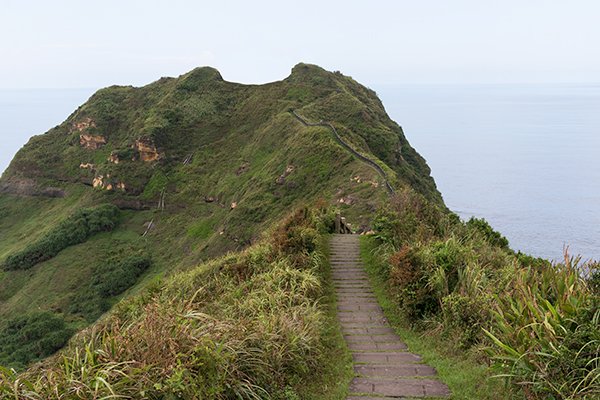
(139, 182)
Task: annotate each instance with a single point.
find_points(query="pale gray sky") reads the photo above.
(73, 43)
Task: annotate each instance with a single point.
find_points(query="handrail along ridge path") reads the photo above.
(343, 143)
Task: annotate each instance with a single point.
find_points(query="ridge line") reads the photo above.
(343, 143)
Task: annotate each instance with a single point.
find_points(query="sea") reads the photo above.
(526, 157)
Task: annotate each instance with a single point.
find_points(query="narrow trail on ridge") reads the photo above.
(383, 366)
(345, 145)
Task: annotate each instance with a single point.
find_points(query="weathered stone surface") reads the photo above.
(147, 150)
(382, 362)
(92, 142)
(399, 387)
(390, 370)
(28, 187)
(389, 338)
(374, 346)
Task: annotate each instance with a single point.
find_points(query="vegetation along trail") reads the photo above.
(345, 145)
(382, 363)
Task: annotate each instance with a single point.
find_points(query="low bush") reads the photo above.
(246, 326)
(546, 333)
(489, 234)
(31, 337)
(539, 322)
(113, 279)
(108, 280)
(73, 230)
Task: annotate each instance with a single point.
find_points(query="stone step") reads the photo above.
(351, 281)
(384, 367)
(344, 294)
(370, 398)
(375, 346)
(399, 387)
(389, 338)
(358, 306)
(350, 277)
(378, 357)
(389, 370)
(363, 330)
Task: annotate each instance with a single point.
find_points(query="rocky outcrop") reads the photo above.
(28, 187)
(91, 142)
(245, 167)
(83, 125)
(147, 150)
(281, 178)
(358, 179)
(348, 200)
(87, 139)
(105, 183)
(114, 158)
(89, 166)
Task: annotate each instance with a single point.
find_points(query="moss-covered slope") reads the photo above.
(197, 166)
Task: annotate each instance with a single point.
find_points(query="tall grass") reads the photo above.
(246, 326)
(537, 323)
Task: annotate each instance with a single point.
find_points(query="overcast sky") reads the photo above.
(72, 44)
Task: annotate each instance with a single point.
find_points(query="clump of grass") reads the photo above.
(546, 333)
(249, 325)
(74, 230)
(536, 322)
(31, 337)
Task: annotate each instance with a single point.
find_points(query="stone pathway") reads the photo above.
(384, 367)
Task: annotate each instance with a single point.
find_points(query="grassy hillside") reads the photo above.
(460, 286)
(197, 166)
(251, 325)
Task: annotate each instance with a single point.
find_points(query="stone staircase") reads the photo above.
(384, 367)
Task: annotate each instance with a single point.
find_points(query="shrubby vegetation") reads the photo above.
(74, 230)
(32, 337)
(538, 323)
(109, 279)
(117, 277)
(248, 325)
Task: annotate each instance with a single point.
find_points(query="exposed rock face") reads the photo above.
(288, 170)
(28, 187)
(114, 158)
(91, 142)
(87, 139)
(104, 182)
(358, 179)
(83, 125)
(349, 200)
(87, 166)
(147, 150)
(98, 181)
(243, 168)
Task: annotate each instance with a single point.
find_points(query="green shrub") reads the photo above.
(31, 337)
(547, 333)
(493, 237)
(114, 279)
(464, 317)
(246, 326)
(74, 230)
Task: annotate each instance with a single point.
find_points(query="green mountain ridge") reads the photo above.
(196, 166)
